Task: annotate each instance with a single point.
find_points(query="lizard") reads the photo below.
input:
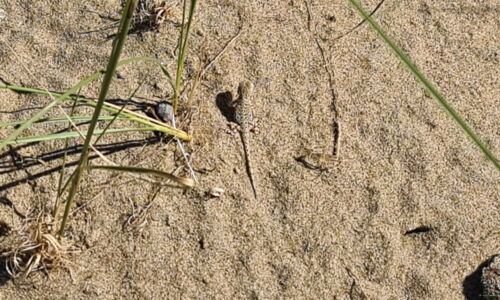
(243, 116)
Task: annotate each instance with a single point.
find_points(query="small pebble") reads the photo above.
(216, 192)
(165, 111)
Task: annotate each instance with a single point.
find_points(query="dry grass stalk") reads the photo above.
(34, 249)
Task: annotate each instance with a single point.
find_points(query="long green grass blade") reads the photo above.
(72, 134)
(169, 77)
(428, 85)
(183, 47)
(185, 182)
(55, 210)
(116, 115)
(118, 43)
(59, 119)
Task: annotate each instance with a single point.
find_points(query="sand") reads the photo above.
(404, 206)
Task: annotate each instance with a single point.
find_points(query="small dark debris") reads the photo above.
(5, 201)
(331, 18)
(336, 138)
(283, 277)
(306, 246)
(201, 243)
(204, 170)
(253, 295)
(308, 165)
(4, 228)
(356, 293)
(418, 230)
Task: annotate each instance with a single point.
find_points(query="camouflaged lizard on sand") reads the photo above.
(243, 115)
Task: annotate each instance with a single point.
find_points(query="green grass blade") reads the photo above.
(117, 114)
(73, 134)
(55, 211)
(118, 43)
(428, 85)
(185, 182)
(169, 77)
(183, 46)
(59, 119)
(179, 71)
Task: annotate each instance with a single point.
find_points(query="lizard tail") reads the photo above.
(252, 180)
(248, 164)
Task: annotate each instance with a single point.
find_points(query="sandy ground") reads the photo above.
(404, 207)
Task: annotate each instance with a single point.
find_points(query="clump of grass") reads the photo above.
(34, 248)
(428, 85)
(147, 123)
(39, 245)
